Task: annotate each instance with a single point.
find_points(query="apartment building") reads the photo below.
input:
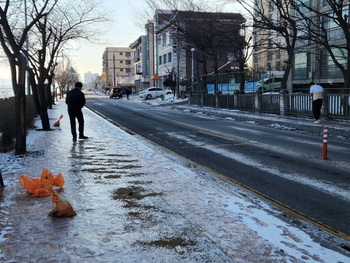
(143, 48)
(118, 67)
(266, 56)
(312, 61)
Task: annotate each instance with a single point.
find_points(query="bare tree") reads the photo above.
(52, 24)
(329, 28)
(216, 37)
(186, 5)
(12, 38)
(66, 22)
(62, 74)
(276, 17)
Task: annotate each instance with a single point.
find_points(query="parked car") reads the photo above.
(269, 85)
(154, 92)
(116, 93)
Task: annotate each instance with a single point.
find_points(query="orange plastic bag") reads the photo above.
(58, 122)
(60, 206)
(41, 187)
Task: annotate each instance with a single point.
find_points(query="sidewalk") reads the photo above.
(137, 203)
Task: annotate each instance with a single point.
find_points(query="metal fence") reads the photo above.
(335, 106)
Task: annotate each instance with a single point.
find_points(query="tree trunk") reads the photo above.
(20, 108)
(45, 119)
(40, 101)
(48, 95)
(242, 79)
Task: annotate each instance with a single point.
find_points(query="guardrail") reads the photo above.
(335, 106)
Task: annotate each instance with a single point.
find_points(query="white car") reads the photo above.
(154, 92)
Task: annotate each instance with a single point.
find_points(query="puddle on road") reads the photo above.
(169, 243)
(131, 194)
(112, 176)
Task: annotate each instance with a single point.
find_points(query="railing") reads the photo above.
(335, 106)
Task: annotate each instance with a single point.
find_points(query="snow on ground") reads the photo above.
(185, 215)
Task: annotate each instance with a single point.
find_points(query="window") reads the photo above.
(328, 68)
(278, 65)
(128, 54)
(324, 3)
(121, 53)
(334, 32)
(169, 57)
(307, 3)
(128, 70)
(270, 55)
(121, 61)
(127, 62)
(278, 54)
(160, 60)
(164, 58)
(164, 39)
(301, 65)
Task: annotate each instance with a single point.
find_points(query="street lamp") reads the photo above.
(192, 70)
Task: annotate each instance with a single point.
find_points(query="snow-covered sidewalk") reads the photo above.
(137, 203)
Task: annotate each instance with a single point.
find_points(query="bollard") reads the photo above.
(325, 141)
(1, 181)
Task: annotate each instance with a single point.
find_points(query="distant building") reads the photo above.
(90, 80)
(118, 67)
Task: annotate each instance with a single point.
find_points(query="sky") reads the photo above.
(122, 31)
(224, 222)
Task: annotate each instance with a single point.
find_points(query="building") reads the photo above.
(180, 47)
(312, 60)
(90, 80)
(118, 67)
(143, 58)
(188, 45)
(266, 56)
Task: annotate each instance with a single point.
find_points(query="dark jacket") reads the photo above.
(75, 99)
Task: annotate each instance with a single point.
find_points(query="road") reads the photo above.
(281, 165)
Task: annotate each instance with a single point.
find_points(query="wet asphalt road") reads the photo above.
(282, 165)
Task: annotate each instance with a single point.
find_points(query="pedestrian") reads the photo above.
(76, 101)
(316, 92)
(128, 92)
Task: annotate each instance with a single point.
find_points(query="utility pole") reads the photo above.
(113, 70)
(178, 63)
(192, 69)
